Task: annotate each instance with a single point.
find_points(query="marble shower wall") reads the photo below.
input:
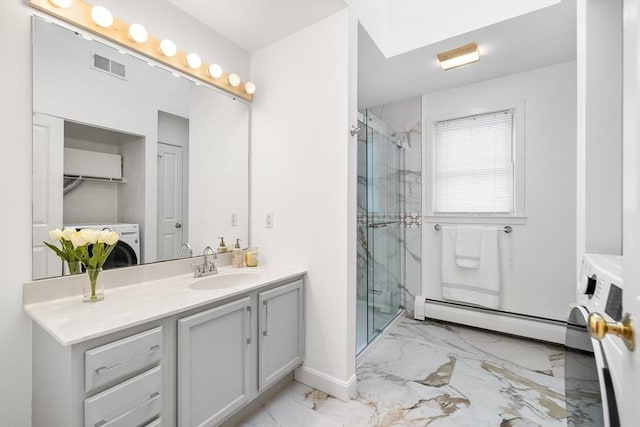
(406, 118)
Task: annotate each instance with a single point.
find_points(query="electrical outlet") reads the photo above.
(268, 223)
(234, 219)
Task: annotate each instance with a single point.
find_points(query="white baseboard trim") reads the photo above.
(514, 324)
(343, 390)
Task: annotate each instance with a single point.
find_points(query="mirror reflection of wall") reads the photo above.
(123, 134)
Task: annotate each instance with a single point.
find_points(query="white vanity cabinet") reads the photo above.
(222, 365)
(113, 381)
(281, 335)
(188, 365)
(214, 356)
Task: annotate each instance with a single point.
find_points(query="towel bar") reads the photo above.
(507, 228)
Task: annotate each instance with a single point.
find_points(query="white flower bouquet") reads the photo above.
(93, 247)
(89, 247)
(67, 252)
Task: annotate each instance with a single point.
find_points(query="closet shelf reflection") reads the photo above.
(71, 182)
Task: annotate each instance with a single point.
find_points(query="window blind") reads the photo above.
(473, 164)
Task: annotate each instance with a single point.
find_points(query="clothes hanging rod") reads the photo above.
(96, 178)
(507, 228)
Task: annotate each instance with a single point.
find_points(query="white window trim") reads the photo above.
(519, 216)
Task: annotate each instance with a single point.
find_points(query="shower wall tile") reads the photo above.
(413, 270)
(412, 174)
(362, 260)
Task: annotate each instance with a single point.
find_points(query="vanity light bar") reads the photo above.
(134, 37)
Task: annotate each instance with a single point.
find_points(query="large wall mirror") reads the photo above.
(124, 144)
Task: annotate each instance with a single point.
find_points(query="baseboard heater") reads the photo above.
(539, 328)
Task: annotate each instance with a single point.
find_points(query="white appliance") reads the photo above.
(589, 362)
(127, 250)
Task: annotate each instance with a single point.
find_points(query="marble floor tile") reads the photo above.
(437, 374)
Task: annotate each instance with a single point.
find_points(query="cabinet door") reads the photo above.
(281, 345)
(213, 363)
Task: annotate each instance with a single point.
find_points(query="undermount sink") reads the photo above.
(220, 281)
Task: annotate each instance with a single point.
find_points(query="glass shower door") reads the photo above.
(380, 228)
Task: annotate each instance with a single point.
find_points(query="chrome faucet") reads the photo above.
(207, 268)
(186, 246)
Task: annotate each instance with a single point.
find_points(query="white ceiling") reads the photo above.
(544, 37)
(254, 24)
(537, 39)
(400, 26)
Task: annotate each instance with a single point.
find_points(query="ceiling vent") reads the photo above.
(109, 66)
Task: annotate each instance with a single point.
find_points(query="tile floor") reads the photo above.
(436, 374)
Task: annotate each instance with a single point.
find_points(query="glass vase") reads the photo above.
(93, 287)
(74, 267)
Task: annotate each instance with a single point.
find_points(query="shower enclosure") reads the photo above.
(380, 230)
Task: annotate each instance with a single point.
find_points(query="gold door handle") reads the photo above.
(598, 328)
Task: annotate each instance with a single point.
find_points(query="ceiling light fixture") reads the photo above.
(459, 56)
(138, 33)
(234, 79)
(101, 16)
(63, 4)
(193, 60)
(215, 71)
(168, 48)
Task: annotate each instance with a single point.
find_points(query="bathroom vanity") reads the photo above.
(175, 350)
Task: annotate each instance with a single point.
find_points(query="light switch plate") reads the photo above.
(234, 219)
(268, 222)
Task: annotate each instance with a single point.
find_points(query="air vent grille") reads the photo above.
(109, 66)
(117, 69)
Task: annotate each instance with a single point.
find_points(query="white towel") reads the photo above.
(468, 246)
(480, 286)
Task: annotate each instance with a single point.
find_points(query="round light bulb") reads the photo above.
(193, 60)
(168, 48)
(63, 4)
(101, 16)
(138, 33)
(215, 71)
(250, 88)
(234, 79)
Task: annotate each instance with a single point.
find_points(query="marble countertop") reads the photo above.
(70, 320)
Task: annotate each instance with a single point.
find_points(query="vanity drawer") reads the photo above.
(155, 423)
(112, 361)
(137, 401)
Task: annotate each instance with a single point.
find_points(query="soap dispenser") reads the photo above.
(222, 247)
(237, 256)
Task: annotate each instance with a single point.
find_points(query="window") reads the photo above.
(473, 164)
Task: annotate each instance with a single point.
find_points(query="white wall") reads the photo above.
(538, 263)
(15, 171)
(304, 171)
(218, 129)
(599, 44)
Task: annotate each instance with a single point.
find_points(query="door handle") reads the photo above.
(178, 225)
(266, 317)
(598, 328)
